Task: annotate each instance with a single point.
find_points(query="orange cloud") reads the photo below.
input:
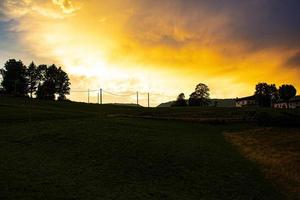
(162, 47)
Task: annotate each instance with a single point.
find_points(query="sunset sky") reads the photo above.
(162, 47)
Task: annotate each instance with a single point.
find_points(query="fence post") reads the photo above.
(100, 96)
(148, 100)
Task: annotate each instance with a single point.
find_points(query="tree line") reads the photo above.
(268, 94)
(200, 97)
(42, 81)
(265, 95)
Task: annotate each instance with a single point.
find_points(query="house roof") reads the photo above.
(246, 98)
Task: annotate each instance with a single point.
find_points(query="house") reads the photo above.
(293, 103)
(245, 101)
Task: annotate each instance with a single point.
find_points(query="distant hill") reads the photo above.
(125, 104)
(220, 103)
(223, 102)
(166, 104)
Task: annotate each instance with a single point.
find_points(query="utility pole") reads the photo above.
(137, 98)
(100, 96)
(148, 100)
(88, 95)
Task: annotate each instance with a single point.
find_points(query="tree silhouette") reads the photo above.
(42, 69)
(43, 81)
(54, 81)
(286, 92)
(180, 101)
(14, 78)
(200, 97)
(34, 77)
(47, 87)
(265, 94)
(46, 91)
(63, 84)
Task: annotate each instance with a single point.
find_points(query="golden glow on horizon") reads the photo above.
(102, 44)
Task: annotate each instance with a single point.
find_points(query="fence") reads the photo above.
(101, 96)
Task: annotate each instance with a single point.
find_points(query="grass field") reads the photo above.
(64, 150)
(277, 151)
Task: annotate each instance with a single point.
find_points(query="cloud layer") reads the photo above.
(231, 45)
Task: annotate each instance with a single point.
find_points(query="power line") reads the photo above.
(100, 95)
(121, 95)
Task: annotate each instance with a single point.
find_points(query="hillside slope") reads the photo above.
(65, 150)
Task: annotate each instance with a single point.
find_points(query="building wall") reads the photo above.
(295, 104)
(243, 103)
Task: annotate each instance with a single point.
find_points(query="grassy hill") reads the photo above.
(224, 102)
(166, 104)
(67, 150)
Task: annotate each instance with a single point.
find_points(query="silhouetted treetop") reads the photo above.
(180, 101)
(286, 92)
(265, 94)
(200, 97)
(33, 76)
(14, 78)
(44, 82)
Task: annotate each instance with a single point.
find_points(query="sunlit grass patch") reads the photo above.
(277, 151)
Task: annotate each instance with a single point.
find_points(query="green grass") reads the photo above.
(63, 150)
